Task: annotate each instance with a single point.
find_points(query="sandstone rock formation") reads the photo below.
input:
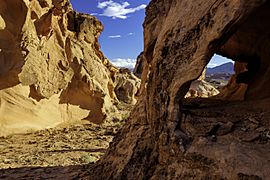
(139, 65)
(51, 68)
(169, 138)
(233, 90)
(201, 88)
(127, 86)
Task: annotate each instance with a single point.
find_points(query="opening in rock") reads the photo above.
(215, 76)
(247, 46)
(219, 71)
(241, 109)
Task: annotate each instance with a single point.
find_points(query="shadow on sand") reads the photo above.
(57, 172)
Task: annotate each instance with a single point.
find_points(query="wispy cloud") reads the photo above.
(211, 65)
(130, 34)
(117, 10)
(127, 63)
(114, 36)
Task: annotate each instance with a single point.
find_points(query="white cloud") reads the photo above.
(211, 65)
(114, 36)
(127, 63)
(116, 10)
(130, 34)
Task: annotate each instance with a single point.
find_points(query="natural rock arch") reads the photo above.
(160, 141)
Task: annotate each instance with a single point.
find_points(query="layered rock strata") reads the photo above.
(51, 68)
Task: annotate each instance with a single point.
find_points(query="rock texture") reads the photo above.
(233, 90)
(127, 86)
(139, 65)
(201, 88)
(169, 138)
(51, 68)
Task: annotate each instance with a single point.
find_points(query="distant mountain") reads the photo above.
(227, 68)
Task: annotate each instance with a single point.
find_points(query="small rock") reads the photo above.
(253, 126)
(7, 161)
(32, 142)
(261, 129)
(214, 138)
(109, 132)
(225, 128)
(268, 134)
(253, 120)
(251, 137)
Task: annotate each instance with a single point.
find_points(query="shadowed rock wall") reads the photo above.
(249, 45)
(160, 141)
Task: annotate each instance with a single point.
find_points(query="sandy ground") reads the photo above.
(67, 151)
(70, 152)
(75, 145)
(59, 153)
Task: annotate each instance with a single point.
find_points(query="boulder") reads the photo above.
(201, 88)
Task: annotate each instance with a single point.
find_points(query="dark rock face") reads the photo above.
(248, 45)
(168, 137)
(139, 66)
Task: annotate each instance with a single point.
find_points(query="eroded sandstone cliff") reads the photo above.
(168, 136)
(51, 68)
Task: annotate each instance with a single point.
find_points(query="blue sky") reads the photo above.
(122, 38)
(218, 60)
